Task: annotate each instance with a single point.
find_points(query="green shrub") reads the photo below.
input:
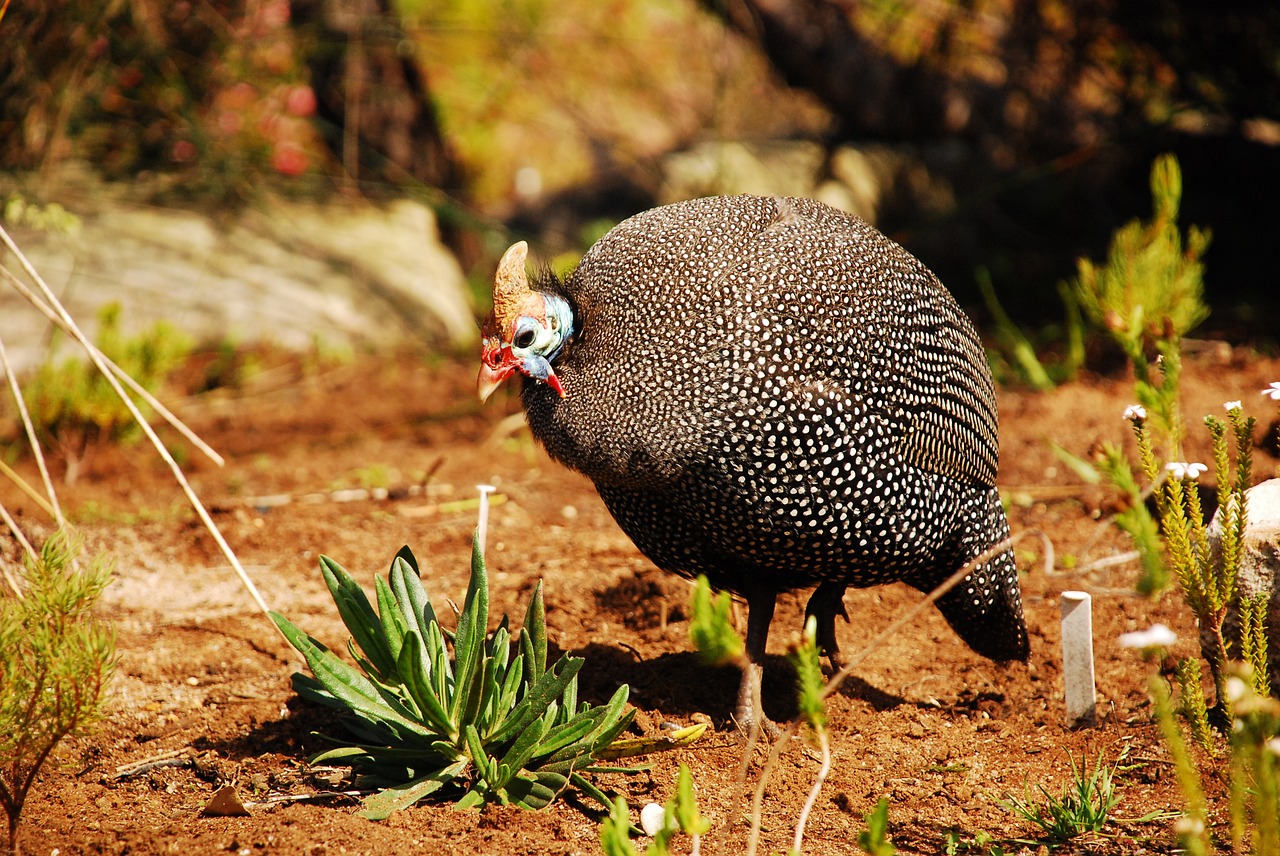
(58, 658)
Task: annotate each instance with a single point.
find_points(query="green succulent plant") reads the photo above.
(487, 724)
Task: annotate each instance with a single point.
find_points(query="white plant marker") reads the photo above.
(1077, 658)
(482, 525)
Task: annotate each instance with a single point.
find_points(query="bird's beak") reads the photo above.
(491, 377)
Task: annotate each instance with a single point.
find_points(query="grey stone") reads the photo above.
(342, 274)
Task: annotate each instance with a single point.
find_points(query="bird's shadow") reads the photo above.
(680, 685)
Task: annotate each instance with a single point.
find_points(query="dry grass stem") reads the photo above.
(57, 319)
(52, 504)
(69, 325)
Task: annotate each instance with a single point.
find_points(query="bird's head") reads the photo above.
(526, 330)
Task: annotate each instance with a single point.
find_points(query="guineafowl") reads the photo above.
(772, 393)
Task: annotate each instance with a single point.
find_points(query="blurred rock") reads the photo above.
(1259, 567)
(778, 168)
(873, 180)
(341, 274)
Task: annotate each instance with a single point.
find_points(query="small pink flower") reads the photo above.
(300, 100)
(1135, 413)
(289, 159)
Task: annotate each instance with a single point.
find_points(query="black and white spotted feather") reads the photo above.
(774, 394)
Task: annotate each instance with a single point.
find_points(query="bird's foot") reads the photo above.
(749, 713)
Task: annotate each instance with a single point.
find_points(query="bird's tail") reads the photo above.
(985, 608)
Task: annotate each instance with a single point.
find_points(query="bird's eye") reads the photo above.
(523, 339)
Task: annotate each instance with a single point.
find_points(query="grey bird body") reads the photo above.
(774, 394)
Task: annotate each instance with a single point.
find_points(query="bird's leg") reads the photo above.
(826, 602)
(760, 606)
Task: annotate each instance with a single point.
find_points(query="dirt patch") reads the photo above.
(203, 685)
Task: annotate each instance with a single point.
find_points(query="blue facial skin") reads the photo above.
(548, 339)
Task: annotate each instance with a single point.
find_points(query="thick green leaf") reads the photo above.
(441, 669)
(544, 691)
(407, 586)
(382, 804)
(357, 613)
(506, 697)
(615, 721)
(404, 554)
(537, 791)
(417, 680)
(344, 754)
(608, 723)
(471, 799)
(500, 647)
(486, 766)
(589, 788)
(533, 635)
(468, 641)
(344, 683)
(394, 624)
(525, 746)
(569, 733)
(569, 700)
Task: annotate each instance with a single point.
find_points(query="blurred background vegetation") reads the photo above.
(1008, 135)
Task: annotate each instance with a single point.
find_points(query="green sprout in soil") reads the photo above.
(875, 838)
(1084, 806)
(680, 814)
(480, 726)
(58, 659)
(1252, 767)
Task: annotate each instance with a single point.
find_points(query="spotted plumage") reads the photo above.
(774, 394)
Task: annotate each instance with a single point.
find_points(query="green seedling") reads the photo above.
(875, 838)
(1255, 766)
(1084, 806)
(711, 629)
(1208, 577)
(679, 815)
(482, 725)
(58, 658)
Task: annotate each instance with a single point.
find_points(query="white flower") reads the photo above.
(653, 818)
(1273, 391)
(1155, 636)
(1235, 689)
(1135, 413)
(1183, 471)
(1230, 406)
(1188, 826)
(1273, 746)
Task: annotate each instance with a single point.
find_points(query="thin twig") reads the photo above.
(26, 545)
(947, 585)
(52, 504)
(21, 483)
(823, 770)
(152, 402)
(172, 758)
(101, 364)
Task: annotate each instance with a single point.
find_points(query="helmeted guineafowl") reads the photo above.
(772, 393)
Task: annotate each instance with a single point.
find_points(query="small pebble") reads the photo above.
(652, 819)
